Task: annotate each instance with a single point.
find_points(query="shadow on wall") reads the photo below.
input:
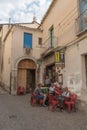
(4, 87)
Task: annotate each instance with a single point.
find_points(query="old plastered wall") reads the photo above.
(62, 16)
(6, 61)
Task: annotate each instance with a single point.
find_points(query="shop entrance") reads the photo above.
(50, 71)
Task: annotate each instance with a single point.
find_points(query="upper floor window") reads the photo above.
(51, 30)
(83, 15)
(27, 40)
(39, 41)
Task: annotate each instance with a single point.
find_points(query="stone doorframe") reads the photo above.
(14, 72)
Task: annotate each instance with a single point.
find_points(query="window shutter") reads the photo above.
(27, 40)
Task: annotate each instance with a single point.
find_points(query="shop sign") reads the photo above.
(59, 57)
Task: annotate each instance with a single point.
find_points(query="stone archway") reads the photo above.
(26, 74)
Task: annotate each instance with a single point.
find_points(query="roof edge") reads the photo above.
(50, 7)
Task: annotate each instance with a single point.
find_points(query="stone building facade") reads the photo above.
(64, 44)
(20, 52)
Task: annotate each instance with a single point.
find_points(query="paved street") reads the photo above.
(17, 114)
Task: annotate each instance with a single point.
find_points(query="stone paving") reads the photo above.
(16, 113)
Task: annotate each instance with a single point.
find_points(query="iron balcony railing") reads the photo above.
(81, 22)
(50, 43)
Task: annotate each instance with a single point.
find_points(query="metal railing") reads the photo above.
(48, 44)
(81, 22)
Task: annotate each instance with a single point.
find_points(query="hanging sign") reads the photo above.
(59, 57)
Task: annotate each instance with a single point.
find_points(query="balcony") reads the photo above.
(81, 23)
(50, 44)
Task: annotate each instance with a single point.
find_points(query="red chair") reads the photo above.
(58, 91)
(52, 101)
(33, 100)
(20, 90)
(54, 104)
(71, 103)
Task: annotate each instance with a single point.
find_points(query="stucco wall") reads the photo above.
(17, 44)
(6, 61)
(13, 50)
(5, 29)
(72, 71)
(75, 69)
(62, 16)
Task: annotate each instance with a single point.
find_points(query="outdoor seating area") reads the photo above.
(60, 98)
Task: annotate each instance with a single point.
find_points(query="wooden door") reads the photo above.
(26, 74)
(30, 79)
(22, 77)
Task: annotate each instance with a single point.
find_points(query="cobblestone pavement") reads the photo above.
(16, 113)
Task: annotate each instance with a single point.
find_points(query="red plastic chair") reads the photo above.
(58, 91)
(56, 102)
(50, 99)
(20, 90)
(34, 101)
(52, 102)
(71, 103)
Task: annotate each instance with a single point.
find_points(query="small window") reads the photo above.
(40, 41)
(27, 40)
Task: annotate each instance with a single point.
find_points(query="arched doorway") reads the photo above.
(26, 74)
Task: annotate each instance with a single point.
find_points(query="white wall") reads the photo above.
(75, 66)
(72, 68)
